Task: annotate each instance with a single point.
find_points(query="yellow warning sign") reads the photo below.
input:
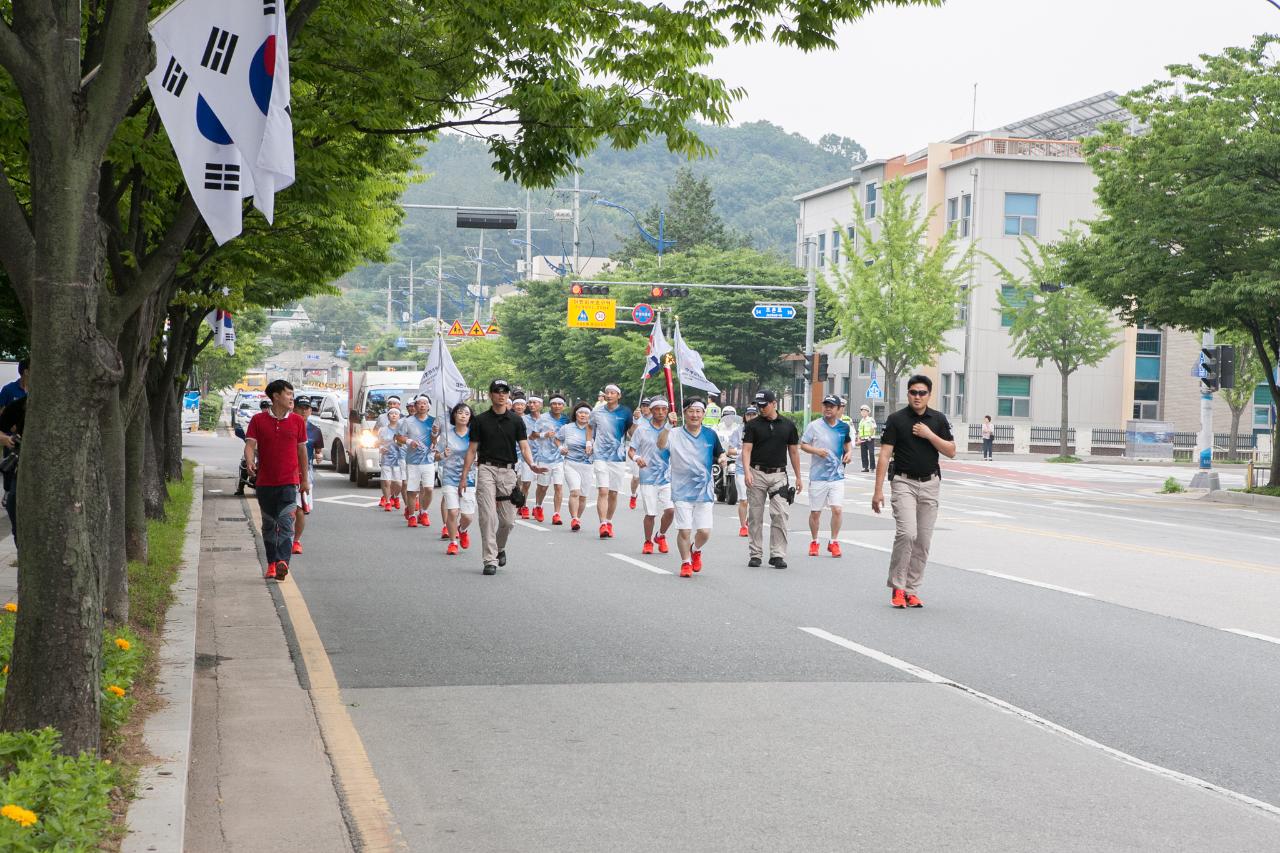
(493, 329)
(476, 330)
(456, 329)
(592, 313)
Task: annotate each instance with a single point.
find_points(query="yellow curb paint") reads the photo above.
(368, 813)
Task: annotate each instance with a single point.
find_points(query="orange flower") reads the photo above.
(11, 607)
(122, 644)
(115, 691)
(19, 815)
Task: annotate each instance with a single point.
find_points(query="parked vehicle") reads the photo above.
(367, 393)
(329, 413)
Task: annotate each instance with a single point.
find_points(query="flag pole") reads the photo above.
(681, 339)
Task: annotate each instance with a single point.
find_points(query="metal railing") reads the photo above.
(1004, 433)
(1057, 149)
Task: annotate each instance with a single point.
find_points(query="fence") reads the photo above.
(1107, 442)
(1003, 438)
(1046, 439)
(1185, 445)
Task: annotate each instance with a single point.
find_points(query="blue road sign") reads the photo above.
(642, 314)
(774, 312)
(873, 391)
(1198, 371)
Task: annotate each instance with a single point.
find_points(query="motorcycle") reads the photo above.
(726, 486)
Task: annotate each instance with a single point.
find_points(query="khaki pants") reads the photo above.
(757, 495)
(915, 509)
(496, 517)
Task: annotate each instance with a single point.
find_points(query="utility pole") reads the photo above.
(810, 305)
(388, 303)
(479, 280)
(1206, 477)
(439, 286)
(410, 323)
(577, 218)
(528, 236)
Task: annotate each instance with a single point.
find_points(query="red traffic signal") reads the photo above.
(589, 289)
(660, 292)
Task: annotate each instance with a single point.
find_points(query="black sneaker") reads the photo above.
(754, 562)
(777, 562)
(490, 569)
(502, 558)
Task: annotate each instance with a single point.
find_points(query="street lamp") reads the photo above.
(660, 242)
(561, 269)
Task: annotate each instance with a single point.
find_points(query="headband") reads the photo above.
(698, 403)
(555, 397)
(613, 388)
(535, 397)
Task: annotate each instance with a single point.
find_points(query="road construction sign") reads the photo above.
(493, 329)
(592, 313)
(476, 330)
(456, 329)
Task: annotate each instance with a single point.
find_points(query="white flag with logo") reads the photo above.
(236, 52)
(442, 381)
(211, 164)
(657, 348)
(689, 363)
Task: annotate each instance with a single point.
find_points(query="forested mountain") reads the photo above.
(755, 170)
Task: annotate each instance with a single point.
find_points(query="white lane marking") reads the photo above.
(533, 525)
(362, 501)
(1054, 587)
(989, 513)
(215, 491)
(1126, 518)
(866, 545)
(1132, 760)
(1262, 637)
(641, 563)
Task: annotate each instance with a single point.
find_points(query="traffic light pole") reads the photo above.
(810, 307)
(1206, 477)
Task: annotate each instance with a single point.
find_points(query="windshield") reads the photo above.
(376, 401)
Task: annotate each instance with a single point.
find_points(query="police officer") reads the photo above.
(767, 443)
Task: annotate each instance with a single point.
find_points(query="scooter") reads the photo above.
(726, 486)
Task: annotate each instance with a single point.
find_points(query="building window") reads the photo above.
(846, 386)
(871, 201)
(959, 412)
(953, 210)
(1021, 214)
(822, 249)
(1014, 300)
(1013, 396)
(864, 367)
(966, 214)
(835, 247)
(1263, 408)
(1146, 375)
(946, 393)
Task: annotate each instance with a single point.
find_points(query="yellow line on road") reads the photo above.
(368, 813)
(1125, 546)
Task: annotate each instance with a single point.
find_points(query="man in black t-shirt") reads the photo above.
(913, 438)
(768, 442)
(495, 434)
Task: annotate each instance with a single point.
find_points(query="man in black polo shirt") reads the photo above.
(767, 442)
(495, 434)
(913, 438)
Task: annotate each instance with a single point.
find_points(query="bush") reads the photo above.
(51, 801)
(1172, 487)
(210, 411)
(1063, 459)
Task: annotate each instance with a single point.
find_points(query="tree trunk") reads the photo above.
(890, 390)
(154, 490)
(135, 509)
(1232, 453)
(1064, 423)
(115, 577)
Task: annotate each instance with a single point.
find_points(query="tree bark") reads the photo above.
(135, 508)
(1232, 453)
(1064, 423)
(115, 576)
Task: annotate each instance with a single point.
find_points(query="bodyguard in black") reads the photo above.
(768, 442)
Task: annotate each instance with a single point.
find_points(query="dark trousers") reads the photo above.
(277, 504)
(868, 454)
(986, 447)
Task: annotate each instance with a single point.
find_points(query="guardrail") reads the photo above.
(1048, 439)
(1186, 444)
(1107, 442)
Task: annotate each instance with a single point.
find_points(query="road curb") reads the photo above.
(1242, 499)
(157, 817)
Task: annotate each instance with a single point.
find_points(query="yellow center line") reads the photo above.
(1125, 546)
(369, 814)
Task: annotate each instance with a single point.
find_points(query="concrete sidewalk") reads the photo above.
(260, 778)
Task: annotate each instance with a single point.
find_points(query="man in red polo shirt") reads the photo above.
(275, 448)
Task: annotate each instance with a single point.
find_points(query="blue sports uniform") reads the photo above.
(451, 465)
(833, 439)
(417, 430)
(574, 438)
(609, 430)
(691, 460)
(657, 469)
(545, 450)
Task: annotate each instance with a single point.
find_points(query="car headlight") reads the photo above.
(367, 439)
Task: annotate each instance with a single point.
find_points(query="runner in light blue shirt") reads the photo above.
(391, 461)
(829, 442)
(694, 449)
(575, 445)
(653, 463)
(610, 427)
(458, 509)
(417, 435)
(546, 452)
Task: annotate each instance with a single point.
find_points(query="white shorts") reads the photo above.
(740, 481)
(654, 498)
(419, 476)
(823, 493)
(632, 468)
(611, 475)
(392, 473)
(467, 502)
(523, 474)
(579, 476)
(693, 516)
(553, 476)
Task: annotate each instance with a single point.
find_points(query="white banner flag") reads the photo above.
(211, 164)
(236, 52)
(442, 381)
(689, 363)
(657, 348)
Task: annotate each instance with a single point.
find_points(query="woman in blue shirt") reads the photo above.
(457, 509)
(576, 448)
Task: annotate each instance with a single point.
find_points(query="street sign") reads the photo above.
(456, 329)
(589, 313)
(642, 314)
(1199, 370)
(312, 356)
(401, 343)
(476, 330)
(873, 391)
(493, 329)
(774, 312)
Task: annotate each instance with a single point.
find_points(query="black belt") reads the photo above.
(926, 478)
(499, 464)
(763, 470)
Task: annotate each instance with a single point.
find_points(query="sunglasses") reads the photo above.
(914, 393)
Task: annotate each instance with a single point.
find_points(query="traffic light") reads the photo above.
(589, 289)
(808, 368)
(1226, 366)
(822, 368)
(661, 292)
(1211, 366)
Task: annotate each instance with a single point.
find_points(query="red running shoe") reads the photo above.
(395, 502)
(270, 573)
(686, 570)
(813, 548)
(575, 525)
(609, 524)
(382, 501)
(697, 561)
(899, 598)
(537, 514)
(465, 538)
(913, 600)
(452, 549)
(555, 519)
(604, 531)
(388, 506)
(648, 548)
(633, 502)
(282, 570)
(424, 519)
(744, 532)
(661, 542)
(297, 547)
(444, 534)
(413, 521)
(524, 512)
(833, 548)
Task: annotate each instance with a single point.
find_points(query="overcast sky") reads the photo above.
(904, 77)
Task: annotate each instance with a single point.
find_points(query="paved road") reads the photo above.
(581, 701)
